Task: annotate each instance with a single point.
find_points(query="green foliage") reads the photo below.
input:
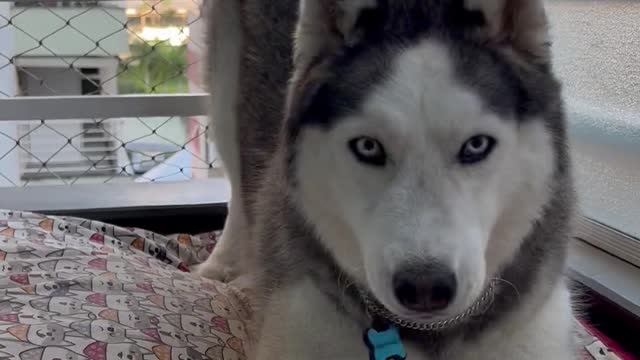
(154, 68)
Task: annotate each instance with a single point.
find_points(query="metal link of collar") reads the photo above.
(478, 307)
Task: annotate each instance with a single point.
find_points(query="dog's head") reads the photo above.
(423, 140)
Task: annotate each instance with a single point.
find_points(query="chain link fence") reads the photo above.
(65, 49)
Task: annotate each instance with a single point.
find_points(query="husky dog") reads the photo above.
(417, 175)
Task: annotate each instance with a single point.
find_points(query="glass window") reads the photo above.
(596, 54)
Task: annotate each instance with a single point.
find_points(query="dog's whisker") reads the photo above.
(511, 285)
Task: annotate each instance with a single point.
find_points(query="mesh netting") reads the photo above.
(98, 48)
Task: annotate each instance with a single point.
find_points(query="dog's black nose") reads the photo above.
(425, 288)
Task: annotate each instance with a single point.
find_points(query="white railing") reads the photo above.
(112, 196)
(53, 115)
(54, 108)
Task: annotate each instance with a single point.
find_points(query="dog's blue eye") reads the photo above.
(476, 149)
(369, 151)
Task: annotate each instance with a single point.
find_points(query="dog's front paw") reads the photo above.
(217, 269)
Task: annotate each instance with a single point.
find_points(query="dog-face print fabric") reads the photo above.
(78, 289)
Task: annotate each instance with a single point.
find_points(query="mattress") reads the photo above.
(74, 288)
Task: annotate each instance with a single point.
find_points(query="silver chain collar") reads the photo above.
(478, 307)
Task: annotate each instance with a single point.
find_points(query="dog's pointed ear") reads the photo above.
(326, 26)
(521, 25)
(324, 29)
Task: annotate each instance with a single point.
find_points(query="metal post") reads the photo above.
(9, 160)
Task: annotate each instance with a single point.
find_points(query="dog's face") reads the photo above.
(426, 180)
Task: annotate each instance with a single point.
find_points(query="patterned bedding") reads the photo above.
(78, 289)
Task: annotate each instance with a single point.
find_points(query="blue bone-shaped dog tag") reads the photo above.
(385, 344)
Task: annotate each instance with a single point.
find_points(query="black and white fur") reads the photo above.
(314, 224)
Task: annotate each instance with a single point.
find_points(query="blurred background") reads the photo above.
(102, 48)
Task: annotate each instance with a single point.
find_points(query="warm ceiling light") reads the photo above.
(131, 11)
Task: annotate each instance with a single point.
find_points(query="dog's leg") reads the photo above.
(229, 259)
(225, 55)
